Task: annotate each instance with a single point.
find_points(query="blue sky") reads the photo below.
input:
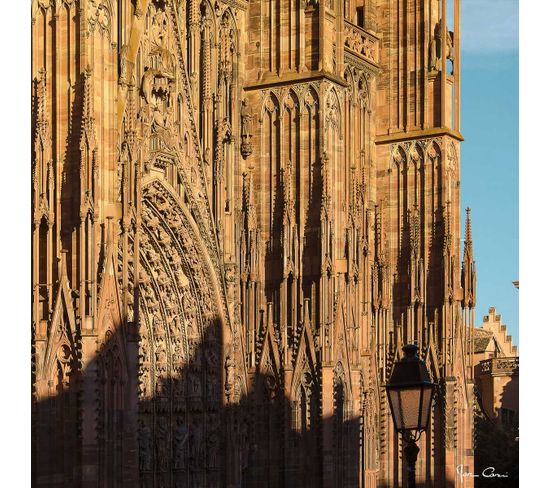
(489, 154)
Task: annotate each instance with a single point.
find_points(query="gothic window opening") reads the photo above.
(270, 128)
(360, 16)
(311, 35)
(310, 173)
(89, 253)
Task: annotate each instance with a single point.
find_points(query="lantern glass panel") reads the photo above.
(426, 406)
(410, 405)
(405, 404)
(394, 399)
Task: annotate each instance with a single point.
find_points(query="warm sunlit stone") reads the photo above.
(241, 210)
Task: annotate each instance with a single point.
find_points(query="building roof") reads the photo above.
(492, 337)
(482, 339)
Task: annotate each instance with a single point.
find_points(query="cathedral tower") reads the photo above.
(242, 210)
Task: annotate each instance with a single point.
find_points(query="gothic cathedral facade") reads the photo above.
(241, 211)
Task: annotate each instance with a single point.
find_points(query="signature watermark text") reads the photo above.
(488, 472)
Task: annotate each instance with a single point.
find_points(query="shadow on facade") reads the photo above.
(101, 425)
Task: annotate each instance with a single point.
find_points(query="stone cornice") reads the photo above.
(238, 4)
(293, 78)
(418, 134)
(352, 59)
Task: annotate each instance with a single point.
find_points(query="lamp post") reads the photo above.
(410, 394)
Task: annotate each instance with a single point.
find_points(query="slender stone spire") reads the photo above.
(468, 235)
(468, 278)
(88, 119)
(326, 196)
(249, 209)
(42, 119)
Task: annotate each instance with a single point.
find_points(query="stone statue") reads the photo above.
(174, 326)
(158, 323)
(180, 446)
(157, 83)
(191, 326)
(246, 129)
(144, 382)
(161, 353)
(212, 445)
(160, 445)
(145, 445)
(196, 444)
(435, 63)
(195, 390)
(123, 77)
(271, 387)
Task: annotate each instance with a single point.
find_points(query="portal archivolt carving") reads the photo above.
(180, 349)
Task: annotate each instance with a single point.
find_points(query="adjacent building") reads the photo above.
(497, 369)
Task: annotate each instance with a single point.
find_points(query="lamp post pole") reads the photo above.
(411, 451)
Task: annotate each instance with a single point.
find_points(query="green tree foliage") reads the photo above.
(496, 453)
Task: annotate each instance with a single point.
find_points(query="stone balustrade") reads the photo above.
(500, 365)
(360, 42)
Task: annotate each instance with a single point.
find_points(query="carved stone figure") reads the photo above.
(435, 63)
(246, 129)
(160, 354)
(194, 386)
(158, 323)
(191, 326)
(144, 382)
(271, 387)
(161, 439)
(164, 238)
(197, 445)
(174, 326)
(162, 391)
(162, 277)
(181, 436)
(212, 389)
(145, 448)
(182, 280)
(229, 376)
(212, 359)
(212, 445)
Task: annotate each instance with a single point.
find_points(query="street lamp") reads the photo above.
(410, 394)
